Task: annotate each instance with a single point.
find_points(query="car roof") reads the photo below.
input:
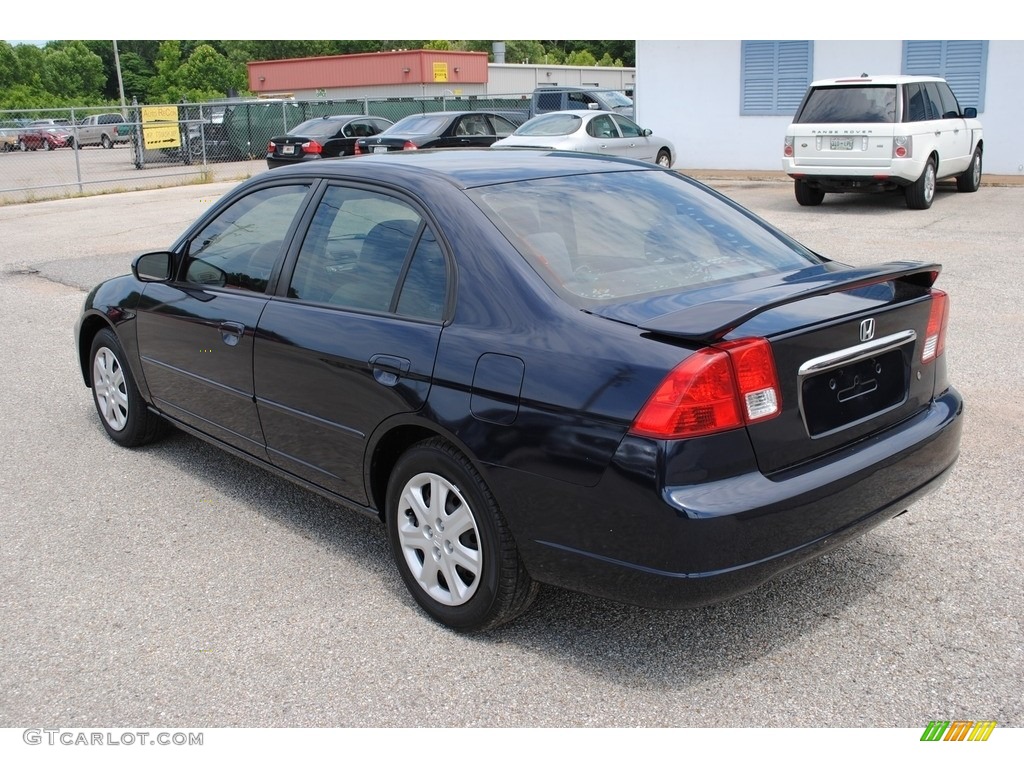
(463, 168)
(877, 80)
(581, 113)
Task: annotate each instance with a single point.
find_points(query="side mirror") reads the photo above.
(593, 105)
(153, 267)
(646, 132)
(970, 112)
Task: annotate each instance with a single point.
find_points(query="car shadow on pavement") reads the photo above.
(626, 645)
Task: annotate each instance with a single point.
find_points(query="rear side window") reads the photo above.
(849, 104)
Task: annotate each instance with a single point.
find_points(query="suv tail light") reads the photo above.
(787, 147)
(938, 319)
(902, 146)
(715, 389)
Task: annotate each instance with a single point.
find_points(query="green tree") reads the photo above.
(524, 51)
(581, 59)
(209, 75)
(73, 72)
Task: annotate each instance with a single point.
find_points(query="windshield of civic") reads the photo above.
(608, 237)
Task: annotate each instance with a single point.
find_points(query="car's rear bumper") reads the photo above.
(686, 546)
(282, 162)
(898, 172)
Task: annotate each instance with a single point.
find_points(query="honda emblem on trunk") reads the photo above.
(867, 329)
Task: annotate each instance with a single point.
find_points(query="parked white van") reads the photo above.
(869, 134)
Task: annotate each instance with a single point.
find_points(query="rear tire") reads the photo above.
(106, 143)
(921, 193)
(806, 194)
(451, 543)
(970, 180)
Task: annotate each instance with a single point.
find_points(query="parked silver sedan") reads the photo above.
(597, 131)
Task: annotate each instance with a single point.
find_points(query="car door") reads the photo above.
(637, 145)
(196, 332)
(956, 136)
(604, 137)
(350, 339)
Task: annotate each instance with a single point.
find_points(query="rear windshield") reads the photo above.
(419, 124)
(317, 127)
(558, 124)
(849, 104)
(607, 237)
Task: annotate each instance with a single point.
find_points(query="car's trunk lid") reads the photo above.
(847, 347)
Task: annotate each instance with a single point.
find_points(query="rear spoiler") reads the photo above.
(710, 322)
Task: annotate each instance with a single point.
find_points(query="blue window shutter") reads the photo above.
(963, 64)
(774, 75)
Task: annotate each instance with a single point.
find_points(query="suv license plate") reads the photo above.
(846, 143)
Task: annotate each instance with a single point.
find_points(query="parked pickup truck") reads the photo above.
(557, 98)
(101, 131)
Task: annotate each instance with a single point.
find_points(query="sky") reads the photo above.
(739, 19)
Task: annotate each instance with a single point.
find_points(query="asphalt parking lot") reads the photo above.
(177, 586)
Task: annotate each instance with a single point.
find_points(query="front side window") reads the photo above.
(502, 127)
(241, 246)
(627, 127)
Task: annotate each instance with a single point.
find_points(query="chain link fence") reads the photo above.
(50, 153)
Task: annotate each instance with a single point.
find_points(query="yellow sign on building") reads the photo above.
(440, 71)
(160, 128)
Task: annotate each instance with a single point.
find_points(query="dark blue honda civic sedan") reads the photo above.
(537, 367)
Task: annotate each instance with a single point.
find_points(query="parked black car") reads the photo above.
(538, 366)
(320, 137)
(442, 129)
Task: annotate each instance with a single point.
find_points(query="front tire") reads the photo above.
(806, 194)
(451, 544)
(123, 412)
(970, 180)
(664, 159)
(920, 194)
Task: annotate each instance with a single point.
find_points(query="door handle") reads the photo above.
(388, 369)
(231, 333)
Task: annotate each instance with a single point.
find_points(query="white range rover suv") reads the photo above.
(869, 134)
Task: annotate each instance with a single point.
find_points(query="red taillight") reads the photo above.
(787, 147)
(271, 146)
(357, 150)
(902, 146)
(938, 319)
(312, 147)
(409, 145)
(713, 390)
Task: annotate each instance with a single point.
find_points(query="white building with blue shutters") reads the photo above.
(727, 104)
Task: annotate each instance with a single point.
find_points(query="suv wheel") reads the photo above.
(806, 194)
(920, 194)
(970, 180)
